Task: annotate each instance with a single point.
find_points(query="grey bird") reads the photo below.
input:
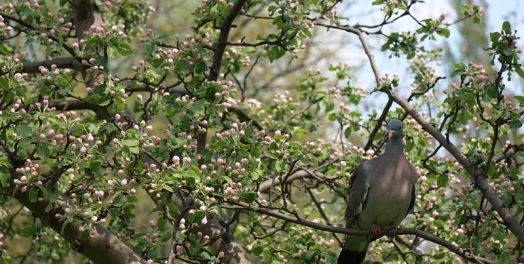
(382, 191)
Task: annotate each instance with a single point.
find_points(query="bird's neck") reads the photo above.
(395, 144)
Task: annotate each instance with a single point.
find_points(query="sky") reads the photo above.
(496, 13)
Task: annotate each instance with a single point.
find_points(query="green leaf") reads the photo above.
(519, 71)
(43, 150)
(4, 83)
(130, 142)
(442, 180)
(134, 149)
(23, 146)
(332, 116)
(443, 32)
(200, 66)
(347, 132)
(515, 123)
(174, 209)
(25, 130)
(52, 197)
(204, 255)
(64, 225)
(378, 2)
(227, 179)
(255, 175)
(494, 37)
(520, 99)
(249, 197)
(492, 91)
(275, 53)
(161, 222)
(93, 165)
(506, 26)
(179, 141)
(476, 20)
(310, 254)
(257, 250)
(84, 234)
(198, 106)
(460, 67)
(132, 199)
(33, 195)
(119, 200)
(329, 106)
(190, 180)
(122, 48)
(5, 176)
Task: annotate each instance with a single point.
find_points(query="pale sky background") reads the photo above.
(362, 12)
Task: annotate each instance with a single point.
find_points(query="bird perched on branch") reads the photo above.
(382, 191)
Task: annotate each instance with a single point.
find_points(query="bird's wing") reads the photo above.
(412, 177)
(413, 197)
(358, 192)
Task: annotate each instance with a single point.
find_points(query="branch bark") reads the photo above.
(220, 47)
(84, 16)
(66, 62)
(100, 247)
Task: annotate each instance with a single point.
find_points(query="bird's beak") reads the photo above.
(391, 133)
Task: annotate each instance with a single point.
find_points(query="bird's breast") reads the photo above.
(389, 196)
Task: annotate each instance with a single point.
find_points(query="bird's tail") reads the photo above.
(351, 257)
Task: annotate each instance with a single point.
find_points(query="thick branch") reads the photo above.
(244, 116)
(221, 43)
(73, 105)
(100, 247)
(84, 16)
(67, 62)
(220, 47)
(266, 185)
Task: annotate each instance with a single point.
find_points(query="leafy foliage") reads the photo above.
(123, 131)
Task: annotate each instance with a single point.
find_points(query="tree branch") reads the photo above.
(221, 43)
(66, 62)
(220, 47)
(377, 127)
(100, 247)
(83, 15)
(403, 231)
(73, 105)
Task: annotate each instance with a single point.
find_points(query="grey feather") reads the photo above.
(382, 191)
(358, 191)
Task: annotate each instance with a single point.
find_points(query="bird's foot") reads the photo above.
(375, 231)
(393, 230)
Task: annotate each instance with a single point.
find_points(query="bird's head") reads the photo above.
(395, 129)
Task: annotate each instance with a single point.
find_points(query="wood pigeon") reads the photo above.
(382, 191)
